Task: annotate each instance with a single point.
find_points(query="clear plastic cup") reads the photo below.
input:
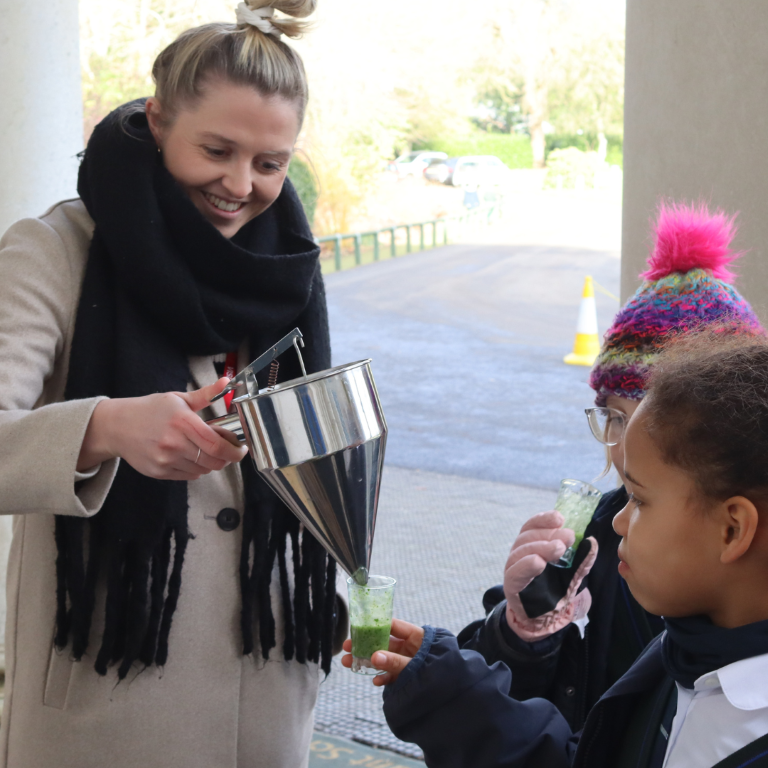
(576, 502)
(370, 619)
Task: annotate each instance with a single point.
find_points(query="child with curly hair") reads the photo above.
(693, 549)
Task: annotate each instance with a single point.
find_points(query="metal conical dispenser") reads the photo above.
(318, 441)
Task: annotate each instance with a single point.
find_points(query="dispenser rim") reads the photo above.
(312, 377)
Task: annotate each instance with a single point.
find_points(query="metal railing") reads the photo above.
(392, 246)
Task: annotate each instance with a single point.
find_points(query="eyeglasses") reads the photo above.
(607, 424)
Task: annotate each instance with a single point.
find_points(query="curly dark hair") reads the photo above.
(707, 410)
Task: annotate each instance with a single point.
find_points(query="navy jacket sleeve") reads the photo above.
(458, 710)
(533, 665)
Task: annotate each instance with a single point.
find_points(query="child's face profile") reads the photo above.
(670, 546)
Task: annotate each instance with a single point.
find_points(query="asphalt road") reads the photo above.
(467, 344)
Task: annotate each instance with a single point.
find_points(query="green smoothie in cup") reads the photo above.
(576, 502)
(367, 640)
(370, 618)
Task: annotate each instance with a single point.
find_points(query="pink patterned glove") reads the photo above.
(543, 540)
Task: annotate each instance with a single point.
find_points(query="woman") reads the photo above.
(559, 656)
(163, 606)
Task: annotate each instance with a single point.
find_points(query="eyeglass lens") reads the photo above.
(607, 424)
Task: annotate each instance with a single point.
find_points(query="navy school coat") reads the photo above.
(458, 710)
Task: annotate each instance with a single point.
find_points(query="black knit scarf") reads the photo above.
(694, 646)
(162, 284)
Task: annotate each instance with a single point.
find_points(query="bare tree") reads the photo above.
(556, 60)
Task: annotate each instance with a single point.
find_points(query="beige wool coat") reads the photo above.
(210, 707)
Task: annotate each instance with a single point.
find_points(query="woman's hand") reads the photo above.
(159, 435)
(404, 644)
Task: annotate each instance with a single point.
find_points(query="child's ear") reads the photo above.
(739, 526)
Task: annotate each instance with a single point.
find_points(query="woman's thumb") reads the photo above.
(201, 398)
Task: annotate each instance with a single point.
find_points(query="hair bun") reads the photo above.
(299, 9)
(260, 14)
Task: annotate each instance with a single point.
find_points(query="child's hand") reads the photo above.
(404, 644)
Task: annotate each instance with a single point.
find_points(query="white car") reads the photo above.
(414, 163)
(469, 170)
(485, 170)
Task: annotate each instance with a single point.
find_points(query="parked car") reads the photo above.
(414, 163)
(441, 171)
(485, 170)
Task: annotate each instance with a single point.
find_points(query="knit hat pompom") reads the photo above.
(690, 237)
(687, 285)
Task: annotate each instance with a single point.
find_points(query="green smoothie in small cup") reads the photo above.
(576, 502)
(370, 618)
(367, 640)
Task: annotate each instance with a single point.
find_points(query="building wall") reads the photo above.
(696, 124)
(41, 132)
(41, 113)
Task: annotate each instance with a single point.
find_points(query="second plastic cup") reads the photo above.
(370, 618)
(576, 502)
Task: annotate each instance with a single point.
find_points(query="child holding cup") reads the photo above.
(554, 656)
(693, 548)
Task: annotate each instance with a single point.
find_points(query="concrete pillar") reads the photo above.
(41, 131)
(696, 124)
(41, 116)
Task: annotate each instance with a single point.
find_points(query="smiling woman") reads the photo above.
(187, 254)
(229, 150)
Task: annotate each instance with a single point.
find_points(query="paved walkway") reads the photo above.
(445, 539)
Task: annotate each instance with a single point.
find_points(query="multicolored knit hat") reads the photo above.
(686, 285)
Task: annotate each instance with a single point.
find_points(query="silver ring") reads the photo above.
(199, 451)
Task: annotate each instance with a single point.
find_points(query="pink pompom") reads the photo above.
(689, 237)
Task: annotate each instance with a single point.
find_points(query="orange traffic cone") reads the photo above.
(587, 345)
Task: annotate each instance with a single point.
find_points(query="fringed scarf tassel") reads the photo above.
(142, 592)
(137, 614)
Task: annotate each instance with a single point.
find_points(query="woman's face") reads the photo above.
(230, 150)
(627, 407)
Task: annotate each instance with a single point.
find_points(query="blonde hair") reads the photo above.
(238, 53)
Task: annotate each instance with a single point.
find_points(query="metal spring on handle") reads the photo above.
(272, 380)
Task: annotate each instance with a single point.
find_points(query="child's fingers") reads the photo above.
(396, 645)
(402, 629)
(384, 679)
(347, 645)
(346, 660)
(543, 534)
(411, 635)
(551, 519)
(548, 551)
(392, 663)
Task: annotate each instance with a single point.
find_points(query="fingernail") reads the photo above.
(378, 659)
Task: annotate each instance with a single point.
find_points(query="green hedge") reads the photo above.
(513, 149)
(564, 166)
(303, 178)
(587, 142)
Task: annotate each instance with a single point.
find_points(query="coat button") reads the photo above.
(570, 690)
(228, 519)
